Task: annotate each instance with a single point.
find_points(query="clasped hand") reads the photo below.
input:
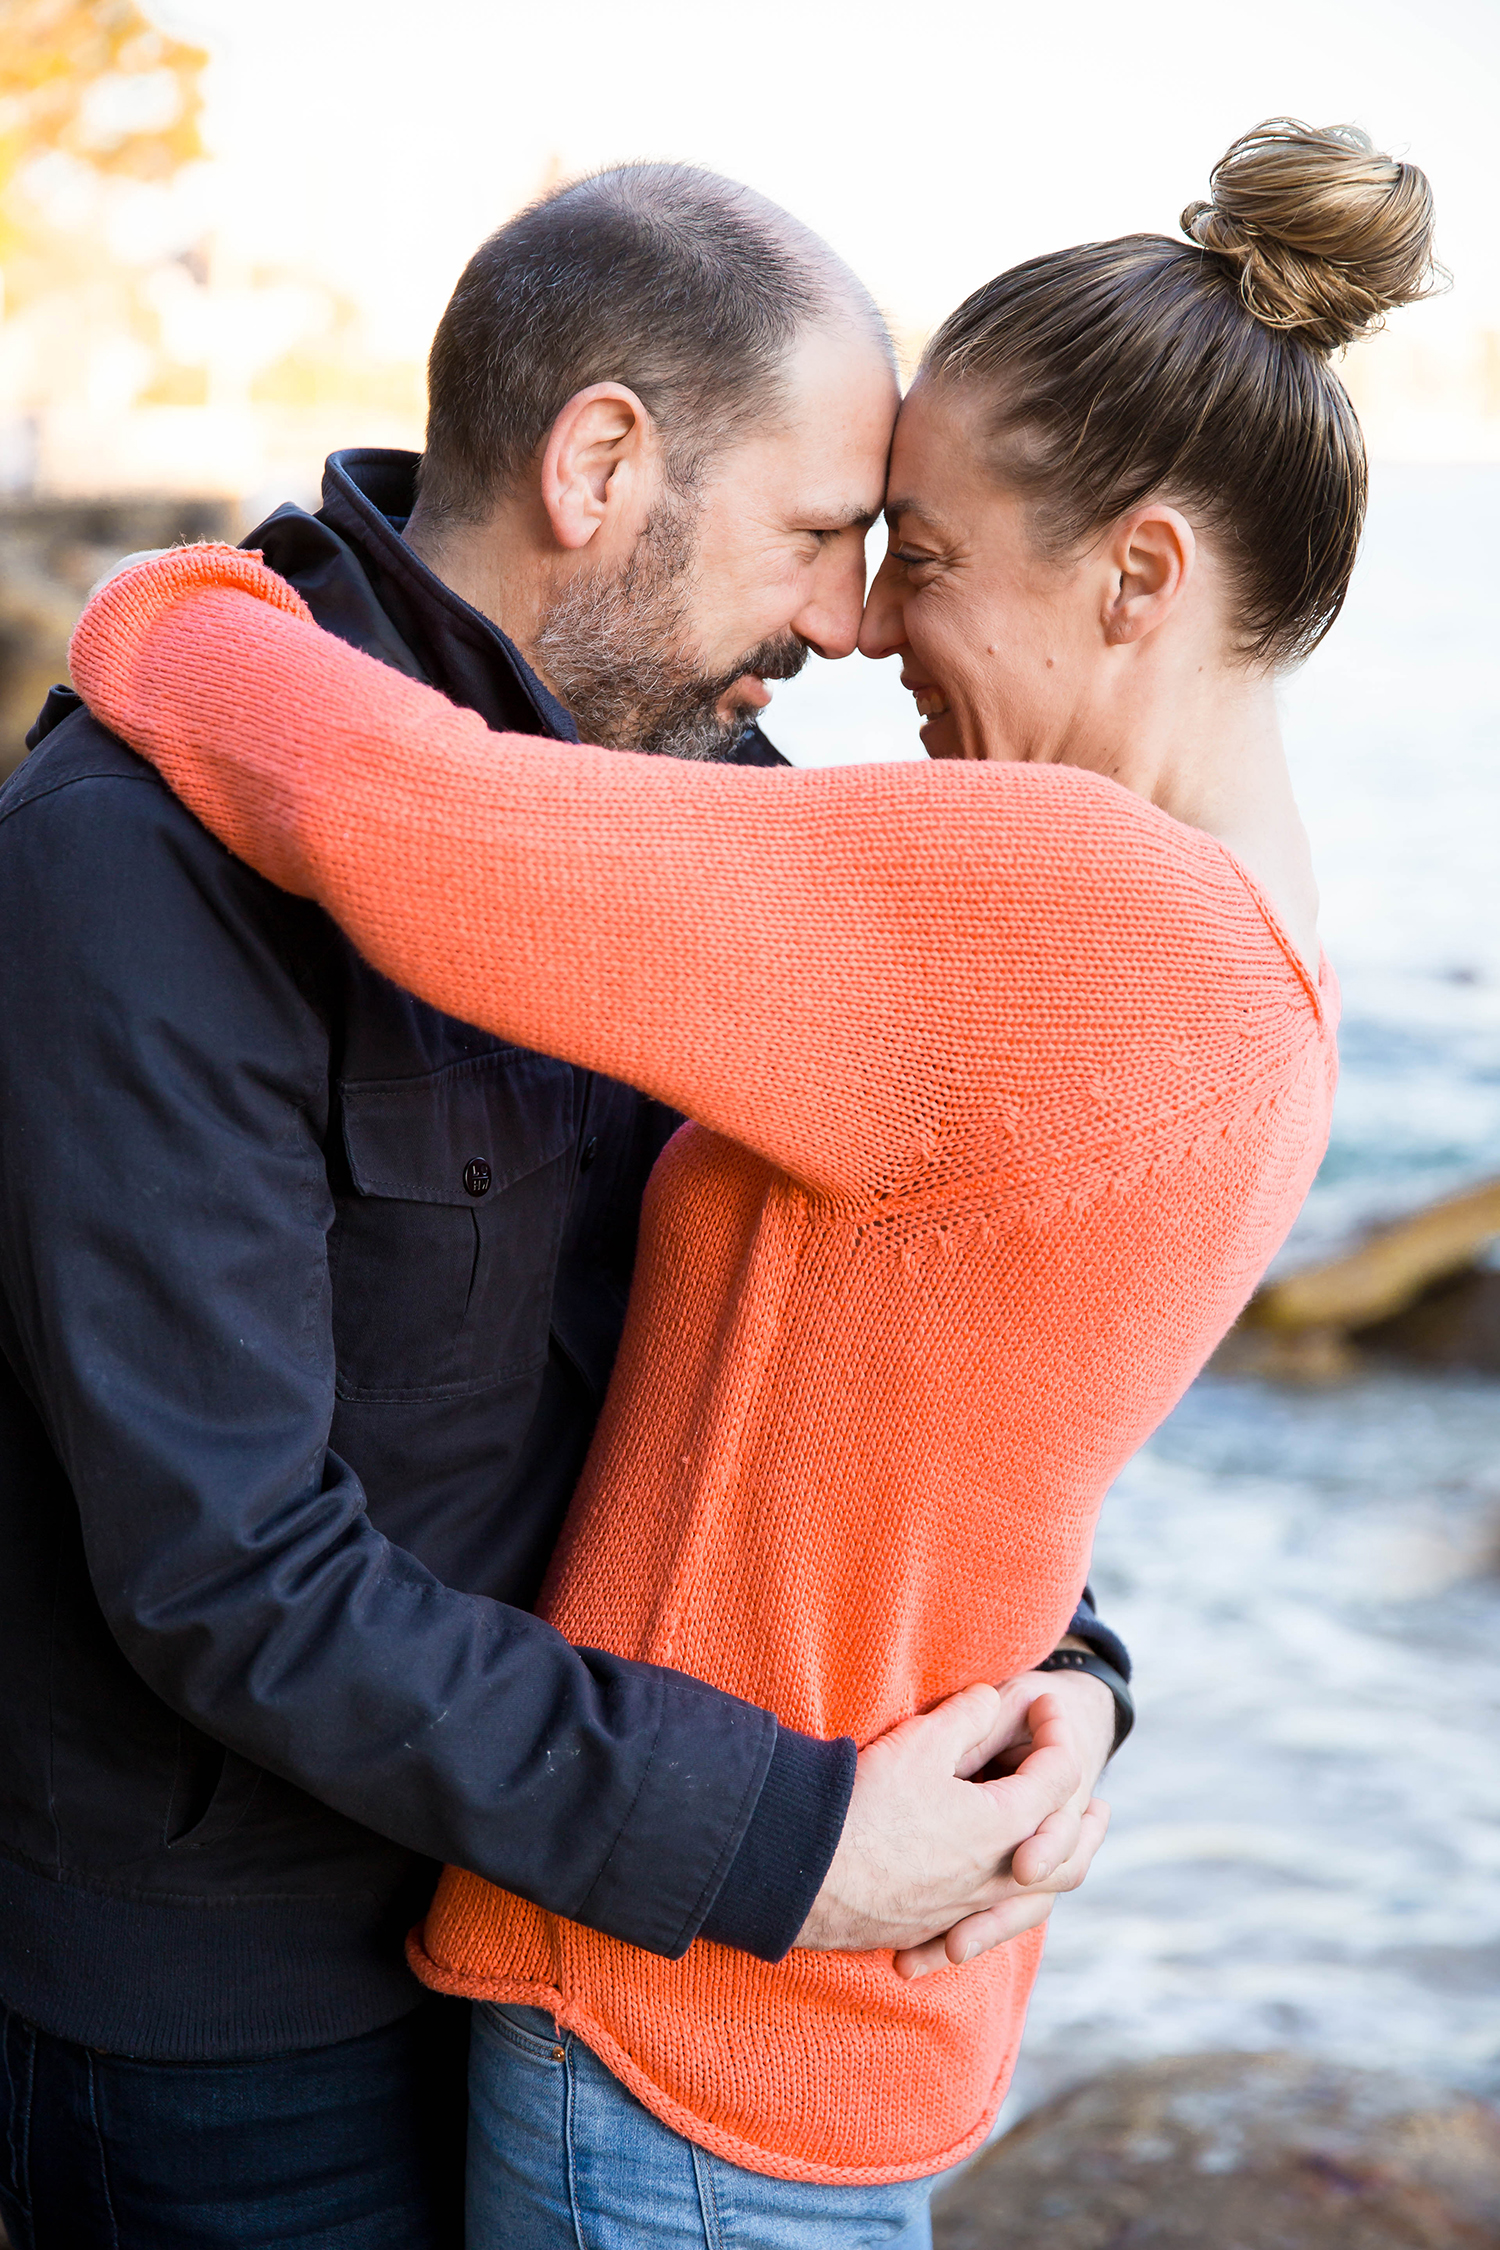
(967, 1822)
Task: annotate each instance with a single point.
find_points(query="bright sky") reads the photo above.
(932, 144)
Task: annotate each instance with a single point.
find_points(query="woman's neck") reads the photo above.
(1203, 742)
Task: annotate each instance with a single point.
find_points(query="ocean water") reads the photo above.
(1305, 1850)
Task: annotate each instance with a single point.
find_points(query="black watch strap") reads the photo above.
(1084, 1660)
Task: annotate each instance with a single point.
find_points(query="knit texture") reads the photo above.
(1006, 1087)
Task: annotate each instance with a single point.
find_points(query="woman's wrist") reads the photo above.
(1074, 1655)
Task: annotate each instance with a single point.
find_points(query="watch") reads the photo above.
(1084, 1660)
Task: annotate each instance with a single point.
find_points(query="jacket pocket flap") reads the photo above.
(459, 1134)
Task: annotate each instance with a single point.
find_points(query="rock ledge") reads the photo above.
(1236, 2152)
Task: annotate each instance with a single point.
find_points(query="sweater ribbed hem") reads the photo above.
(776, 2164)
(192, 1980)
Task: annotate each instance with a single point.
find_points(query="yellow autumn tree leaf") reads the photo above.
(97, 81)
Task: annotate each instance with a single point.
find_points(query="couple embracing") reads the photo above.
(730, 1646)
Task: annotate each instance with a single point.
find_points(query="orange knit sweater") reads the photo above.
(1005, 1086)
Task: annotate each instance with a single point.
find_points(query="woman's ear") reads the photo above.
(595, 464)
(1151, 553)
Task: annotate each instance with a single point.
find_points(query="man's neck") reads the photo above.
(495, 567)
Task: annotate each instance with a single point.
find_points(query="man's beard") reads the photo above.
(609, 647)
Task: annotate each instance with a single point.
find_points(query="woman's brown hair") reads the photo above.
(1199, 372)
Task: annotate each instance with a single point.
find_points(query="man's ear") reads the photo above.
(597, 462)
(1151, 554)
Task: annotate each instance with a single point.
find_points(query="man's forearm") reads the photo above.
(788, 1847)
(166, 1305)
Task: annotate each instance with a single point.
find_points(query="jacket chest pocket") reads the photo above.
(444, 1255)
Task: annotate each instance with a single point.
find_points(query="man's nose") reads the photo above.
(829, 620)
(881, 630)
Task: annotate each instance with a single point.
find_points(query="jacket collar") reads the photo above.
(361, 581)
(356, 573)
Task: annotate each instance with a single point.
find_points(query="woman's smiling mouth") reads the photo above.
(930, 701)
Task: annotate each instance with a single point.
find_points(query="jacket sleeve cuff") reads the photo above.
(769, 1887)
(692, 1804)
(1087, 1627)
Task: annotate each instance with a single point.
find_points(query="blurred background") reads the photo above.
(226, 233)
(225, 236)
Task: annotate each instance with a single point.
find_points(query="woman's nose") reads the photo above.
(881, 630)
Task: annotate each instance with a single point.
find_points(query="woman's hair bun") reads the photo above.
(1326, 233)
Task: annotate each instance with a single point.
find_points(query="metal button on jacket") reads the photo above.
(477, 1176)
(590, 1151)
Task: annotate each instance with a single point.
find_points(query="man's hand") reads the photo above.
(926, 1847)
(1057, 1857)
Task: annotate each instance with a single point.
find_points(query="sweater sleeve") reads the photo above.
(856, 972)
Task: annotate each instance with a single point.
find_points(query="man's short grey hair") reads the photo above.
(689, 289)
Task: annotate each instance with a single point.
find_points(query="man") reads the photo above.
(309, 1296)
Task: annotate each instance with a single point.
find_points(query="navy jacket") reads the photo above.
(308, 1299)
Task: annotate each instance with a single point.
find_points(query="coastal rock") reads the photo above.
(1417, 1291)
(1456, 1324)
(1236, 2152)
(1388, 1271)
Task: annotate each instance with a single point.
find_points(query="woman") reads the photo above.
(977, 1178)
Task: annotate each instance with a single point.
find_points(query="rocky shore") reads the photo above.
(1419, 1291)
(1236, 2152)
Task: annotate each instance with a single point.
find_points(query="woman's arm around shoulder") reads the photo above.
(862, 973)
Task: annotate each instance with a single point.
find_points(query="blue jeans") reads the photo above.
(357, 2146)
(562, 2155)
